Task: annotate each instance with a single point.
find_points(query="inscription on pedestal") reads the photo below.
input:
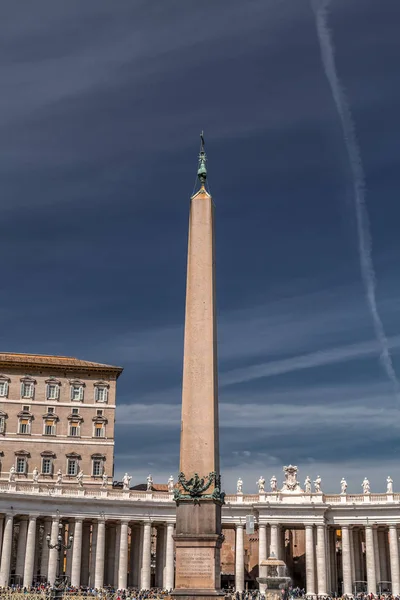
(194, 562)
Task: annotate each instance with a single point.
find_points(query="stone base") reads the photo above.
(198, 542)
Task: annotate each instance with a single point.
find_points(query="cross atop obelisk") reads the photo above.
(198, 521)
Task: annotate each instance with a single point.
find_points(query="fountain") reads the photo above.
(273, 578)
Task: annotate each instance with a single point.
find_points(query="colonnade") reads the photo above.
(115, 553)
(337, 558)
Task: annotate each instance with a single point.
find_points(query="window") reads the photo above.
(24, 426)
(77, 392)
(49, 427)
(27, 389)
(99, 430)
(52, 391)
(47, 466)
(2, 424)
(74, 429)
(75, 411)
(99, 412)
(50, 409)
(3, 388)
(97, 467)
(21, 464)
(26, 408)
(100, 393)
(72, 467)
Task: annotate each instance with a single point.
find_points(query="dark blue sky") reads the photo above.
(100, 112)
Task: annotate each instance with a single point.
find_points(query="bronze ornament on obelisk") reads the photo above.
(198, 497)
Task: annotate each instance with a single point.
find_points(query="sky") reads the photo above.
(100, 113)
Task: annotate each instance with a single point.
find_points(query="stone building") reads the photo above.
(56, 414)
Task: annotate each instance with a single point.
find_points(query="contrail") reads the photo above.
(354, 155)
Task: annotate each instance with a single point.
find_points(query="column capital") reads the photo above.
(239, 525)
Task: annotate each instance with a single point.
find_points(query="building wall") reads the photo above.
(62, 443)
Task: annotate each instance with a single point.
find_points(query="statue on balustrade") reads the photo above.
(273, 483)
(11, 477)
(104, 480)
(291, 484)
(239, 486)
(170, 484)
(35, 475)
(149, 483)
(343, 485)
(307, 485)
(126, 480)
(261, 484)
(59, 477)
(365, 486)
(317, 485)
(389, 488)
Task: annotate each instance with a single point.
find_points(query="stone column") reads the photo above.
(77, 554)
(21, 548)
(53, 553)
(377, 557)
(123, 557)
(332, 552)
(44, 560)
(100, 549)
(346, 561)
(1, 532)
(6, 551)
(262, 554)
(352, 554)
(160, 556)
(274, 544)
(382, 539)
(394, 559)
(321, 560)
(370, 559)
(136, 553)
(67, 531)
(145, 579)
(93, 549)
(239, 559)
(30, 552)
(85, 554)
(117, 541)
(310, 567)
(357, 554)
(169, 558)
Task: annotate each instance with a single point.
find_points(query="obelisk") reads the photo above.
(199, 499)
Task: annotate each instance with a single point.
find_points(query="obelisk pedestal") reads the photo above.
(199, 499)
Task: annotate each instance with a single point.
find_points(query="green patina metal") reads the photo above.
(195, 488)
(202, 170)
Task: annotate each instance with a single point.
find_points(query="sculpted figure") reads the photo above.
(35, 475)
(170, 484)
(343, 485)
(11, 477)
(273, 483)
(59, 477)
(239, 486)
(79, 478)
(126, 481)
(366, 486)
(104, 480)
(149, 483)
(261, 484)
(317, 484)
(389, 488)
(307, 485)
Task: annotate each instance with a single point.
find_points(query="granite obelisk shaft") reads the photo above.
(198, 521)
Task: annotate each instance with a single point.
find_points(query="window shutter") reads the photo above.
(57, 392)
(6, 388)
(47, 391)
(105, 395)
(71, 392)
(22, 389)
(81, 393)
(96, 394)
